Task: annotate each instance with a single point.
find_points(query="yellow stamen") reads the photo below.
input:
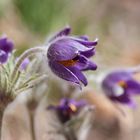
(122, 84)
(73, 107)
(68, 62)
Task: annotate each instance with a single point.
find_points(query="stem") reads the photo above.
(69, 134)
(4, 101)
(32, 104)
(1, 117)
(26, 54)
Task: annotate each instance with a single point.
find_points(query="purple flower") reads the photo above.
(120, 86)
(6, 47)
(67, 108)
(68, 56)
(24, 64)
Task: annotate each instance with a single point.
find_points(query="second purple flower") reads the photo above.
(120, 85)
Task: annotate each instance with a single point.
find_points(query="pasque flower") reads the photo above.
(67, 108)
(6, 47)
(121, 86)
(68, 56)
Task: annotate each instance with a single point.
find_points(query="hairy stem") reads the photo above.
(4, 101)
(69, 134)
(1, 117)
(26, 54)
(32, 104)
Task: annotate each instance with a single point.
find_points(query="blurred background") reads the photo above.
(115, 22)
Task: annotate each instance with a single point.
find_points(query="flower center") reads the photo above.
(68, 63)
(118, 91)
(122, 84)
(73, 107)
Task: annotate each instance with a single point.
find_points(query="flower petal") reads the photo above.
(63, 72)
(65, 49)
(78, 74)
(85, 64)
(63, 32)
(3, 56)
(124, 98)
(133, 87)
(62, 50)
(117, 76)
(24, 64)
(86, 42)
(6, 45)
(79, 46)
(90, 66)
(89, 53)
(80, 103)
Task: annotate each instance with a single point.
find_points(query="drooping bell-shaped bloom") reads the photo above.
(67, 108)
(68, 56)
(121, 85)
(6, 47)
